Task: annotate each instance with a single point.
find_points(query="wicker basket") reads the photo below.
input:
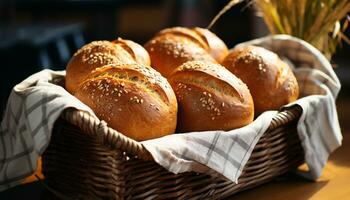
(88, 160)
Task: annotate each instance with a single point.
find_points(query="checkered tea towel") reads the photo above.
(318, 127)
(31, 110)
(36, 103)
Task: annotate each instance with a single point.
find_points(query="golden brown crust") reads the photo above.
(133, 99)
(100, 53)
(210, 98)
(138, 53)
(186, 33)
(270, 80)
(174, 46)
(170, 51)
(216, 47)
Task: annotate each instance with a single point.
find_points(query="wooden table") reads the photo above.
(333, 184)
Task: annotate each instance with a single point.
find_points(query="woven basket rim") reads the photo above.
(99, 129)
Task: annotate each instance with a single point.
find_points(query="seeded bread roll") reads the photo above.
(136, 51)
(215, 46)
(131, 98)
(204, 38)
(174, 46)
(210, 98)
(100, 53)
(269, 79)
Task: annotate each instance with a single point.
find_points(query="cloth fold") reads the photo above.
(37, 102)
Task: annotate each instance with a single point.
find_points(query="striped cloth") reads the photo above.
(35, 104)
(25, 132)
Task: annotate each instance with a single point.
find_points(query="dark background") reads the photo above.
(40, 34)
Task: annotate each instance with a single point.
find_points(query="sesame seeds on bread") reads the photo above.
(100, 53)
(210, 98)
(269, 79)
(174, 46)
(132, 98)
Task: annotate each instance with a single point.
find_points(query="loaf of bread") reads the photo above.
(210, 98)
(269, 79)
(99, 53)
(172, 47)
(133, 99)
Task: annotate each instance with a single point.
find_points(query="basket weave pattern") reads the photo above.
(88, 160)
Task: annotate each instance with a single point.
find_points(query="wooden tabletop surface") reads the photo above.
(333, 184)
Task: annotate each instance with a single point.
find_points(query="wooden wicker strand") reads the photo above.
(88, 160)
(108, 136)
(93, 126)
(285, 116)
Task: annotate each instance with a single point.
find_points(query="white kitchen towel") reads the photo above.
(318, 127)
(25, 132)
(35, 104)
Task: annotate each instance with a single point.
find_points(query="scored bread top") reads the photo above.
(217, 48)
(270, 80)
(221, 80)
(145, 77)
(188, 33)
(99, 53)
(169, 51)
(132, 99)
(210, 97)
(203, 38)
(138, 53)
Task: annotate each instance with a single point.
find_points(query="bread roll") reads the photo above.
(210, 98)
(215, 46)
(174, 46)
(100, 53)
(133, 99)
(269, 79)
(137, 52)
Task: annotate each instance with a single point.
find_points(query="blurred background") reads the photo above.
(41, 34)
(44, 34)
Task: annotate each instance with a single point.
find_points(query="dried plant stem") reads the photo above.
(316, 21)
(223, 11)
